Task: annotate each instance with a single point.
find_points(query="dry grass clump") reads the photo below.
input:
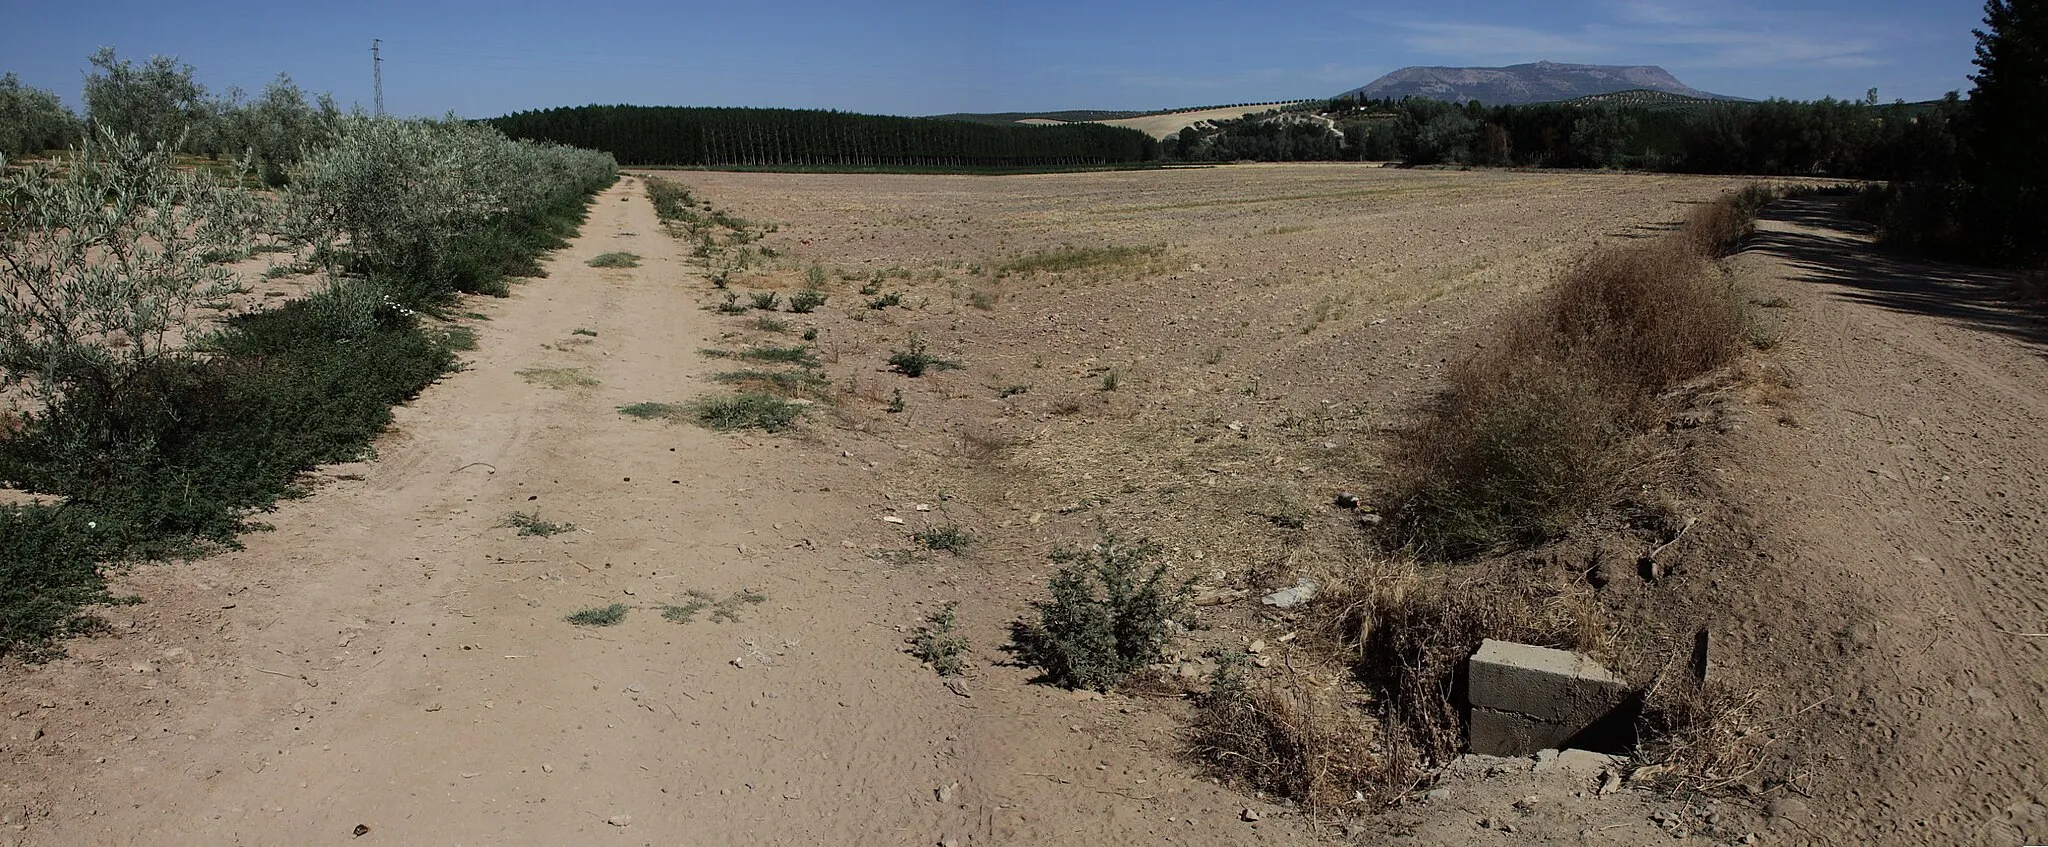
(1534, 431)
(1412, 629)
(1716, 228)
(1069, 258)
(1708, 736)
(1301, 743)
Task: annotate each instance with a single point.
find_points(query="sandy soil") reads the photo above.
(391, 657)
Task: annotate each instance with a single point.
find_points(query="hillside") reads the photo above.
(1538, 82)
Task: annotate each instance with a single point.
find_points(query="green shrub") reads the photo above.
(48, 573)
(731, 304)
(766, 300)
(1107, 616)
(936, 644)
(615, 260)
(748, 411)
(917, 360)
(893, 298)
(806, 301)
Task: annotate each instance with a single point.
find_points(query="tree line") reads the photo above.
(674, 135)
(161, 101)
(1828, 137)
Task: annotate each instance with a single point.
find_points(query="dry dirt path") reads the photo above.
(391, 656)
(1909, 499)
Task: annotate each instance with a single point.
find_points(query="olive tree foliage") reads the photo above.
(105, 254)
(157, 101)
(33, 120)
(392, 198)
(273, 131)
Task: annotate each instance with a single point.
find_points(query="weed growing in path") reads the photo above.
(747, 411)
(794, 354)
(652, 411)
(530, 523)
(599, 615)
(938, 645)
(559, 377)
(616, 260)
(950, 537)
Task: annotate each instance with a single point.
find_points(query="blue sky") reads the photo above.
(480, 58)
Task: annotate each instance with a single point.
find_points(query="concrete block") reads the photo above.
(1527, 698)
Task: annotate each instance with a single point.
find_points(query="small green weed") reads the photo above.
(651, 411)
(893, 298)
(795, 383)
(917, 360)
(810, 333)
(896, 403)
(616, 260)
(768, 324)
(600, 615)
(747, 411)
(731, 304)
(589, 332)
(814, 277)
(728, 609)
(983, 300)
(766, 301)
(806, 301)
(794, 354)
(530, 523)
(938, 645)
(559, 377)
(1111, 379)
(950, 537)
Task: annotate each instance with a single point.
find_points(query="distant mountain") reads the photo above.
(1538, 82)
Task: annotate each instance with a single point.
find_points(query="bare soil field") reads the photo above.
(1202, 357)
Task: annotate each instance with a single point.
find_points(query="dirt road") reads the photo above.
(1905, 493)
(391, 656)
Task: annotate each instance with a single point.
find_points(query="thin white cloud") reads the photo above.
(1253, 77)
(1673, 33)
(1491, 42)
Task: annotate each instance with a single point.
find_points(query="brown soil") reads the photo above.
(390, 656)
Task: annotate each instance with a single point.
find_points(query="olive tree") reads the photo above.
(104, 257)
(33, 120)
(157, 101)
